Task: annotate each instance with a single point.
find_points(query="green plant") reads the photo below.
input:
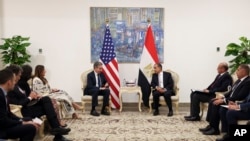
(14, 50)
(241, 53)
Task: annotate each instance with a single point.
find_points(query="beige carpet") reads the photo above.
(135, 126)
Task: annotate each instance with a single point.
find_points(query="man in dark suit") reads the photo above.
(97, 85)
(236, 111)
(43, 106)
(239, 92)
(222, 81)
(162, 84)
(11, 126)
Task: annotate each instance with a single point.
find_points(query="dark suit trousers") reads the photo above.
(232, 116)
(167, 97)
(95, 92)
(196, 98)
(23, 132)
(213, 116)
(43, 107)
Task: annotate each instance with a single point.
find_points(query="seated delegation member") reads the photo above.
(41, 85)
(43, 106)
(220, 84)
(23, 84)
(97, 85)
(239, 92)
(11, 126)
(234, 113)
(162, 84)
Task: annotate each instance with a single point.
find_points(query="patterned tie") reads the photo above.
(236, 84)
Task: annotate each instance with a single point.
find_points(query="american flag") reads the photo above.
(110, 67)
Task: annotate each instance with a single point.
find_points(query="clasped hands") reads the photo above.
(104, 87)
(231, 105)
(160, 89)
(34, 95)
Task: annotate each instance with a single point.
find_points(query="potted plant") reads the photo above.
(240, 53)
(14, 50)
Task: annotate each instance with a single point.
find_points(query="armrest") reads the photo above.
(13, 106)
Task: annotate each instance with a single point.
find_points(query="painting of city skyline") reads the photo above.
(128, 27)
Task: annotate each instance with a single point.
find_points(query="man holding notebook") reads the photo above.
(220, 84)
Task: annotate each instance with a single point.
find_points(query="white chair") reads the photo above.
(88, 98)
(174, 98)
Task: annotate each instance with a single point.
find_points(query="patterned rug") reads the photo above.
(134, 126)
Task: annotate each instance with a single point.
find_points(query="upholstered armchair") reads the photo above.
(174, 98)
(88, 98)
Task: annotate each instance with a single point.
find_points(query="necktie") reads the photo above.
(99, 80)
(217, 78)
(235, 86)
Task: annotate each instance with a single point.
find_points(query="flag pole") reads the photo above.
(149, 21)
(107, 21)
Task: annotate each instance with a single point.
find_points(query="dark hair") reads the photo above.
(27, 72)
(159, 65)
(5, 75)
(245, 67)
(15, 68)
(96, 64)
(38, 73)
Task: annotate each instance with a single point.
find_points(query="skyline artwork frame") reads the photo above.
(128, 26)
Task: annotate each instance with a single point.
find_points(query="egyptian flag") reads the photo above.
(148, 58)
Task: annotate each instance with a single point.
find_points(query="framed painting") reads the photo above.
(128, 27)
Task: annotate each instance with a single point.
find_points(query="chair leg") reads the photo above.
(150, 106)
(83, 106)
(177, 108)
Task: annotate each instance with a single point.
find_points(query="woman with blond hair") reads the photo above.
(40, 85)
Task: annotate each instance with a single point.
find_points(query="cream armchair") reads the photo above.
(88, 98)
(174, 98)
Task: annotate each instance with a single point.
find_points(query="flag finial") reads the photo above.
(107, 21)
(148, 20)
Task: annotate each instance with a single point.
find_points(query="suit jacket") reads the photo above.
(168, 82)
(245, 105)
(7, 118)
(221, 84)
(91, 82)
(241, 92)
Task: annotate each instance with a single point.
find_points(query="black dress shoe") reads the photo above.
(193, 119)
(187, 116)
(170, 113)
(60, 131)
(156, 112)
(61, 139)
(212, 131)
(205, 129)
(94, 113)
(105, 113)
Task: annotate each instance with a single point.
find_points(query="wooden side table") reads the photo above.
(136, 89)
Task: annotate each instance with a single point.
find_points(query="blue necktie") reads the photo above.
(99, 80)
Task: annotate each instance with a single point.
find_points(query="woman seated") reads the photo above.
(40, 85)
